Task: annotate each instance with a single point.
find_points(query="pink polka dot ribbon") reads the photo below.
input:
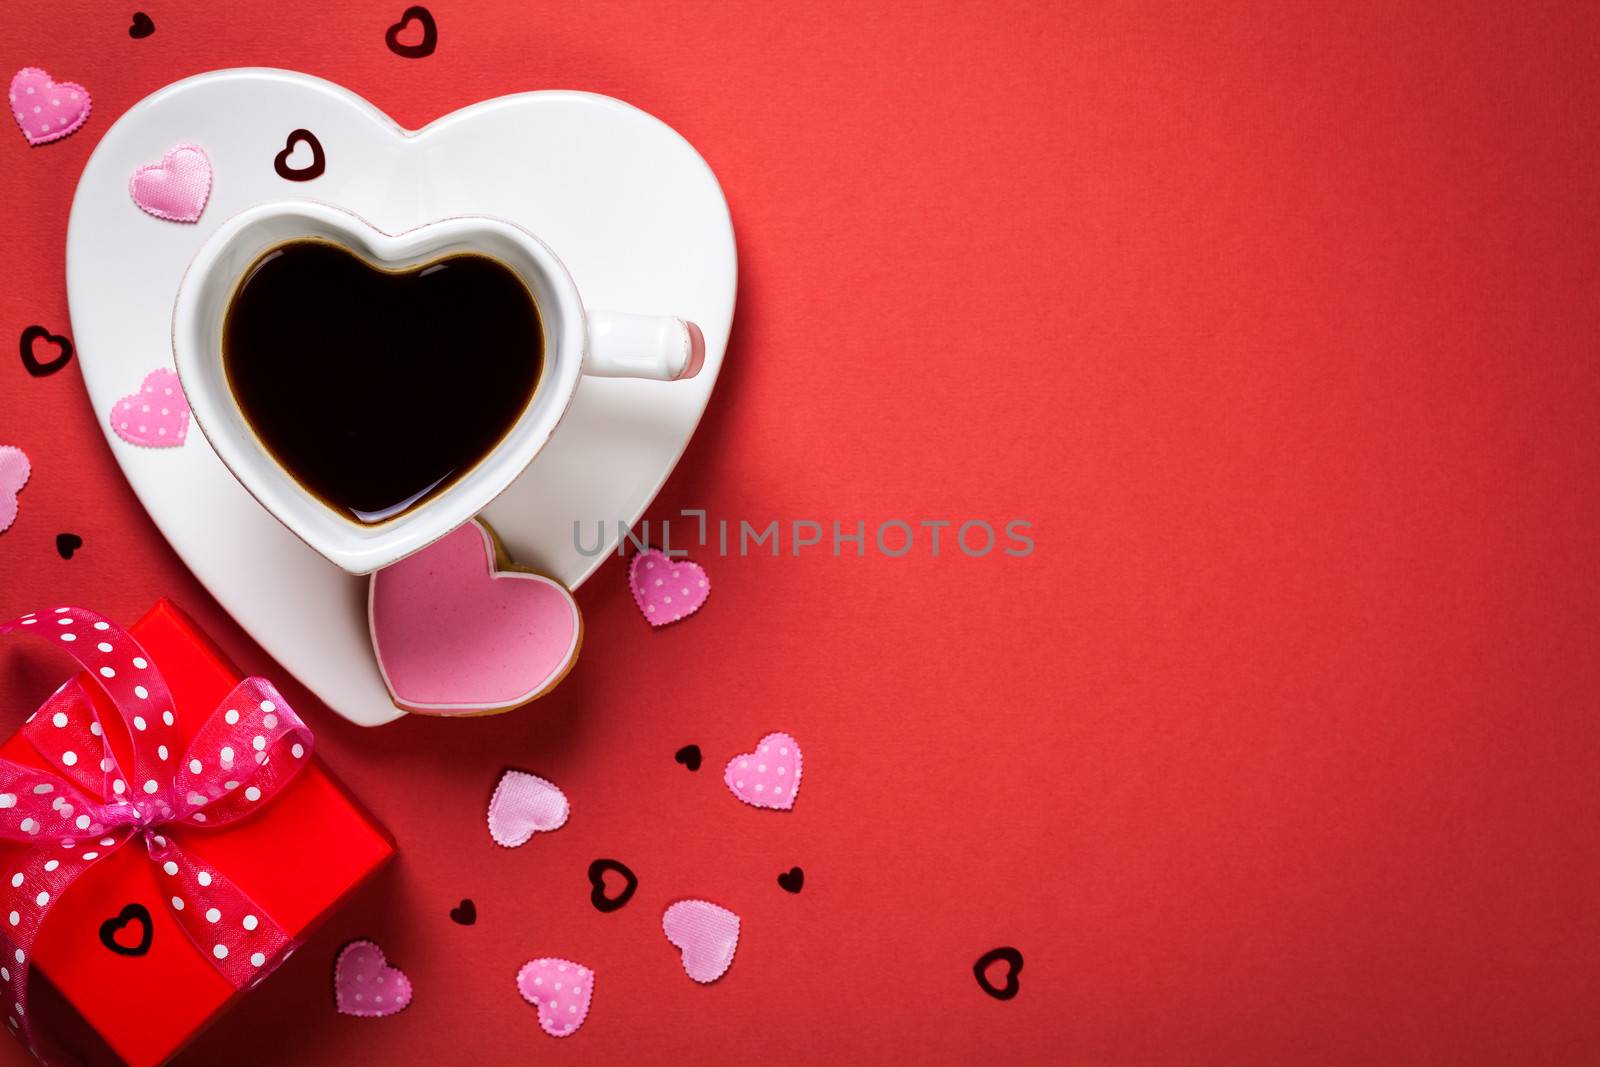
(250, 747)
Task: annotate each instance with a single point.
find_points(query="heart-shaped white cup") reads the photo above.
(576, 342)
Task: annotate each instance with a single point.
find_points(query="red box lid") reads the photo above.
(297, 858)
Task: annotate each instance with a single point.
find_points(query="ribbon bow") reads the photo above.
(250, 747)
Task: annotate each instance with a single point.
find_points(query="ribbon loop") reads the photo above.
(76, 750)
(123, 670)
(241, 757)
(36, 805)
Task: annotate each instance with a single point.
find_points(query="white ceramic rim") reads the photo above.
(211, 280)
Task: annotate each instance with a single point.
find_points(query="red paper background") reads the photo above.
(1278, 323)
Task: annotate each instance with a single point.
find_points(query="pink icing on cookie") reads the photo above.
(453, 634)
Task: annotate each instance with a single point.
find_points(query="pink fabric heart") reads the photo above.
(156, 416)
(667, 589)
(705, 934)
(365, 984)
(524, 804)
(456, 631)
(769, 777)
(14, 472)
(560, 989)
(175, 189)
(45, 109)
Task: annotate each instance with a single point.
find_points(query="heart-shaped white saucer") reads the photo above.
(630, 207)
(621, 347)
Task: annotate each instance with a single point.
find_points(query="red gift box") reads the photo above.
(296, 857)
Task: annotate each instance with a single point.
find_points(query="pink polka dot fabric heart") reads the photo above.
(524, 804)
(14, 473)
(157, 416)
(706, 934)
(769, 777)
(47, 110)
(175, 189)
(561, 990)
(365, 984)
(667, 589)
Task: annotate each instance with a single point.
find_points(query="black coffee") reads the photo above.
(377, 389)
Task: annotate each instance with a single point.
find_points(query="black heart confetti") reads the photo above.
(132, 913)
(465, 913)
(142, 26)
(1014, 960)
(689, 756)
(792, 880)
(37, 367)
(430, 34)
(67, 544)
(597, 879)
(319, 161)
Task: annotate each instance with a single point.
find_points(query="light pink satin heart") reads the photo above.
(45, 109)
(524, 804)
(667, 589)
(365, 984)
(14, 473)
(157, 416)
(769, 777)
(560, 989)
(454, 633)
(175, 189)
(705, 934)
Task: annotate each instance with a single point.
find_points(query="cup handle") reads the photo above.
(643, 346)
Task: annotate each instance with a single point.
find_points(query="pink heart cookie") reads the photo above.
(175, 189)
(705, 934)
(524, 804)
(14, 473)
(456, 630)
(769, 777)
(667, 589)
(561, 990)
(45, 109)
(157, 416)
(365, 984)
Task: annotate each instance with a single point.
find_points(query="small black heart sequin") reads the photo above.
(67, 544)
(319, 161)
(689, 756)
(430, 34)
(465, 913)
(37, 367)
(793, 879)
(597, 879)
(132, 913)
(142, 26)
(1013, 958)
